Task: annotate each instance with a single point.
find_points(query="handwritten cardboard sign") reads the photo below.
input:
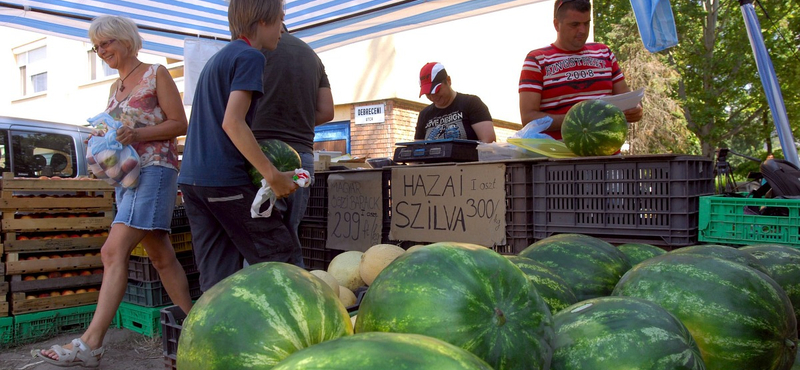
(460, 203)
(355, 210)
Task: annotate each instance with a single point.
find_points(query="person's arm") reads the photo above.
(238, 131)
(529, 103)
(324, 106)
(485, 131)
(633, 114)
(174, 125)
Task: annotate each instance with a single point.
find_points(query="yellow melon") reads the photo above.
(415, 247)
(376, 258)
(347, 296)
(353, 320)
(328, 279)
(344, 268)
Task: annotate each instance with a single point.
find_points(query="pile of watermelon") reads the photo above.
(566, 302)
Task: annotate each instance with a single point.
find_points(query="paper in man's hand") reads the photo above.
(627, 100)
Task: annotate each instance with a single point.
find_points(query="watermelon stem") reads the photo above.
(791, 344)
(499, 317)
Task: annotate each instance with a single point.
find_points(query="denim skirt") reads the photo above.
(148, 206)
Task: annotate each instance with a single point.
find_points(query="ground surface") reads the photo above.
(125, 350)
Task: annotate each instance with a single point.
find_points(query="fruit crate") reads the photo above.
(179, 218)
(6, 331)
(47, 194)
(312, 243)
(622, 199)
(34, 327)
(153, 294)
(519, 207)
(181, 242)
(171, 325)
(142, 269)
(44, 242)
(4, 303)
(25, 222)
(21, 304)
(734, 220)
(317, 208)
(142, 320)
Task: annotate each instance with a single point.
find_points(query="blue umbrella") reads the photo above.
(770, 82)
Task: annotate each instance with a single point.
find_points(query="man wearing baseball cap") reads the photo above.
(452, 115)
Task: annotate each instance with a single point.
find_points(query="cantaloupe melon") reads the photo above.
(344, 268)
(347, 296)
(376, 258)
(328, 279)
(415, 247)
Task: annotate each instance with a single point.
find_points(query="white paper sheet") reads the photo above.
(627, 100)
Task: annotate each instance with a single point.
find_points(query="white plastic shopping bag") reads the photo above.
(301, 177)
(108, 159)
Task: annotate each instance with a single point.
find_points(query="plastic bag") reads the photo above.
(656, 24)
(301, 177)
(535, 129)
(108, 159)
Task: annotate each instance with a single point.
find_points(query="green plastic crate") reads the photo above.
(728, 220)
(33, 327)
(142, 320)
(6, 331)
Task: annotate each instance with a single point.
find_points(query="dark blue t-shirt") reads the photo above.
(209, 156)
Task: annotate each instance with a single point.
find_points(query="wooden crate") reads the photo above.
(12, 224)
(12, 244)
(61, 283)
(14, 266)
(4, 302)
(9, 183)
(19, 304)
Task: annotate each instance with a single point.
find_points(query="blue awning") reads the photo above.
(165, 24)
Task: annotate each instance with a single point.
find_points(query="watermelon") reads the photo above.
(594, 128)
(638, 252)
(551, 287)
(724, 252)
(258, 316)
(466, 295)
(783, 264)
(590, 266)
(376, 350)
(611, 333)
(282, 156)
(739, 317)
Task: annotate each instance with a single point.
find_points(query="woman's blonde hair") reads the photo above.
(122, 29)
(244, 15)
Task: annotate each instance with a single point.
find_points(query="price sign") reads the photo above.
(355, 210)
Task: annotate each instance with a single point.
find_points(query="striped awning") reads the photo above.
(165, 24)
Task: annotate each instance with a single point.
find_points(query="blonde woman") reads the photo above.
(146, 100)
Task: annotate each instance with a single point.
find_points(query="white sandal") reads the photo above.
(79, 355)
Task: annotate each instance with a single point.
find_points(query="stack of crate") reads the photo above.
(52, 233)
(145, 294)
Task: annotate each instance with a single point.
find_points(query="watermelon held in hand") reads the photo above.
(258, 316)
(594, 128)
(282, 156)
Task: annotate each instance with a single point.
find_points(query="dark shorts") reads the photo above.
(224, 234)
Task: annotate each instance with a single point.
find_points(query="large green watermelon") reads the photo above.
(590, 266)
(466, 295)
(739, 317)
(612, 333)
(725, 252)
(282, 156)
(374, 351)
(594, 128)
(551, 287)
(783, 264)
(258, 316)
(638, 252)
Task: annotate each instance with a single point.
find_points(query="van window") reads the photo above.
(43, 154)
(3, 152)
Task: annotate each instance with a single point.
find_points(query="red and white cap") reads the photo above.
(431, 77)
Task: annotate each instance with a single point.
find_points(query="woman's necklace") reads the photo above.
(122, 81)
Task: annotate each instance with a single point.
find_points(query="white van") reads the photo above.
(31, 148)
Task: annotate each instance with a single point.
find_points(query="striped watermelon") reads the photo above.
(259, 316)
(638, 252)
(611, 333)
(282, 156)
(594, 128)
(783, 264)
(369, 351)
(590, 266)
(551, 287)
(739, 317)
(466, 295)
(725, 252)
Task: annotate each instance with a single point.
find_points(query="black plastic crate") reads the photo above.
(142, 269)
(317, 208)
(153, 294)
(179, 219)
(651, 199)
(171, 325)
(312, 243)
(519, 207)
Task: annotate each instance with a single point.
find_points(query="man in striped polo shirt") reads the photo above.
(556, 77)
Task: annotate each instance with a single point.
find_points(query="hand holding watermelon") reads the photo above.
(282, 156)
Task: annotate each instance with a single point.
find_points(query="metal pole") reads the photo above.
(770, 82)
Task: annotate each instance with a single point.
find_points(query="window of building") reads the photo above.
(98, 68)
(32, 65)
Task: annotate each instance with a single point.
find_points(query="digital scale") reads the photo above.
(434, 151)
